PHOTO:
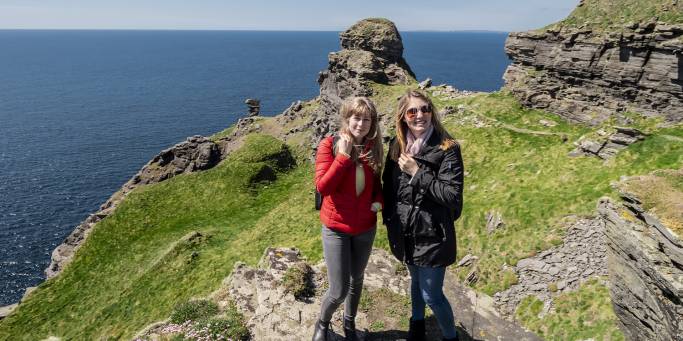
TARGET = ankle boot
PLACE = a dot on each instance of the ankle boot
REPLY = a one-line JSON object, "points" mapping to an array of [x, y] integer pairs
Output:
{"points": [[320, 333], [416, 331], [349, 330]]}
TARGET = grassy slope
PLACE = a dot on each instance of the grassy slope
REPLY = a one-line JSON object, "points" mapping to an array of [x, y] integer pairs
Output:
{"points": [[580, 315], [532, 182], [136, 265], [611, 14]]}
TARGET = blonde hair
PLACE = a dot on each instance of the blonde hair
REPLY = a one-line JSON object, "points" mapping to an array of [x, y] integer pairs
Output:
{"points": [[373, 150], [399, 146]]}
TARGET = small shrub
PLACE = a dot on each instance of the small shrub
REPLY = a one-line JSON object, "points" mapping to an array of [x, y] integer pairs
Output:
{"points": [[400, 269], [231, 326], [552, 287], [193, 310], [297, 281]]}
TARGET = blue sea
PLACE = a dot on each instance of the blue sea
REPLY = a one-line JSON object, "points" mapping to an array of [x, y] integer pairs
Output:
{"points": [[82, 111]]}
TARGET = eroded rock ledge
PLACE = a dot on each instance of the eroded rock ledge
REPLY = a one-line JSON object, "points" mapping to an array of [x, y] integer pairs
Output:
{"points": [[588, 77], [645, 262], [195, 154], [275, 314]]}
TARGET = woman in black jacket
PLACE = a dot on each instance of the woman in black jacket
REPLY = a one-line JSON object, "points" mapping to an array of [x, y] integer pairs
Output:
{"points": [[423, 181]]}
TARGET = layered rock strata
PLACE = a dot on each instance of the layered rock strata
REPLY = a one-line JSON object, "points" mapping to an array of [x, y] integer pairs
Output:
{"points": [[560, 269], [607, 146], [646, 271], [588, 77], [372, 51]]}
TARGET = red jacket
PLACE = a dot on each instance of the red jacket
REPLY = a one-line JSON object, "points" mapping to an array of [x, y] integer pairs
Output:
{"points": [[335, 179]]}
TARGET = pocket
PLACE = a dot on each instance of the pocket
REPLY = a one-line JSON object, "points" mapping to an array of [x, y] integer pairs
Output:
{"points": [[427, 229]]}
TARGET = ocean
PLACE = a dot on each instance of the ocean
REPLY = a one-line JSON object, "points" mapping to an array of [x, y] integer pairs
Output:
{"points": [[82, 111]]}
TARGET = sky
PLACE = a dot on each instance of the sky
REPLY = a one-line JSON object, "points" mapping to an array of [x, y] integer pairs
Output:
{"points": [[320, 15]]}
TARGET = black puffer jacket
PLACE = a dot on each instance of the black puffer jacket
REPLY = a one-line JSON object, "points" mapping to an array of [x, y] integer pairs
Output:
{"points": [[420, 214]]}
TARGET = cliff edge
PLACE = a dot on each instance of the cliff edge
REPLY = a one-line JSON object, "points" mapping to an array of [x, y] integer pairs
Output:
{"points": [[589, 71]]}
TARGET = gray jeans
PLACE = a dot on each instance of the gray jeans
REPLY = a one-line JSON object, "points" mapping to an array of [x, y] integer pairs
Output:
{"points": [[346, 257]]}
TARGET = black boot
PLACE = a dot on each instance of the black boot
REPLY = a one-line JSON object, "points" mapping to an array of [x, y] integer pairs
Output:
{"points": [[416, 332], [320, 333], [453, 339], [349, 330]]}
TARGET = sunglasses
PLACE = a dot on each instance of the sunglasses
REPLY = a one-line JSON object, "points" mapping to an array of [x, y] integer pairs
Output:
{"points": [[412, 112]]}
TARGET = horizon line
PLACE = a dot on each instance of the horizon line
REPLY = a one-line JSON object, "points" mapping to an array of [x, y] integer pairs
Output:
{"points": [[231, 30]]}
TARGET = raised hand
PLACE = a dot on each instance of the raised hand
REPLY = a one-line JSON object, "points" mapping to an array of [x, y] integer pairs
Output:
{"points": [[344, 144], [407, 164]]}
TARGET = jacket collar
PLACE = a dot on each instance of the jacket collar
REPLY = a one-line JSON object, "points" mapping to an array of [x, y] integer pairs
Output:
{"points": [[428, 151]]}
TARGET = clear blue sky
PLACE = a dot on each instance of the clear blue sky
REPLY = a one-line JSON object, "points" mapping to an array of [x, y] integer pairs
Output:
{"points": [[443, 15]]}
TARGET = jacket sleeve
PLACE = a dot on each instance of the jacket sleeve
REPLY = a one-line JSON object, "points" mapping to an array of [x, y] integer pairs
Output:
{"points": [[445, 187], [329, 170], [388, 190], [377, 195]]}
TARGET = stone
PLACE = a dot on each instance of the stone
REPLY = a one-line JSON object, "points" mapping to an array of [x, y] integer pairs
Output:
{"points": [[467, 260], [494, 221], [425, 84], [372, 51], [559, 265], [547, 123], [272, 313], [254, 106], [376, 35], [6, 310], [644, 278]]}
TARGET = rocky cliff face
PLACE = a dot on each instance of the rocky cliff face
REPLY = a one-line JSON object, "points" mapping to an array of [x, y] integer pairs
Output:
{"points": [[195, 154], [645, 261], [588, 77], [372, 51]]}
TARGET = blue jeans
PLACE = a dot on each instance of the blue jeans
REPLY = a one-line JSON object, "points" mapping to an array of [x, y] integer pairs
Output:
{"points": [[426, 286]]}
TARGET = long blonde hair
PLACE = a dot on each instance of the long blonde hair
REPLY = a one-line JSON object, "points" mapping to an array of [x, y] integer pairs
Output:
{"points": [[399, 146], [373, 150]]}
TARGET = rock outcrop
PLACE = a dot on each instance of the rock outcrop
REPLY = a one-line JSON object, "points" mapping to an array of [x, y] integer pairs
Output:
{"points": [[588, 77], [275, 314], [372, 51], [607, 146], [560, 269], [646, 270]]}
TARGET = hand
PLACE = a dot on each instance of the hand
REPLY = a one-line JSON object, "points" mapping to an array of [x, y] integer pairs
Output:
{"points": [[376, 207], [344, 144], [407, 164]]}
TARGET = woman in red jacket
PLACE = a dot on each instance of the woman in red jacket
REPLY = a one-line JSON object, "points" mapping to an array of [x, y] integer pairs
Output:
{"points": [[347, 175]]}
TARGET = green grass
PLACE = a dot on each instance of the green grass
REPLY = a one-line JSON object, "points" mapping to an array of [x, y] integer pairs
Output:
{"points": [[385, 309], [661, 194], [532, 182], [193, 310], [141, 261], [177, 240], [609, 14], [579, 315], [223, 133]]}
